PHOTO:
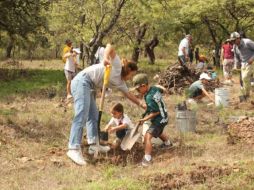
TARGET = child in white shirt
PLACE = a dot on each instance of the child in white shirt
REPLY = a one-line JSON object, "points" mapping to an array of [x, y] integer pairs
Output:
{"points": [[119, 124]]}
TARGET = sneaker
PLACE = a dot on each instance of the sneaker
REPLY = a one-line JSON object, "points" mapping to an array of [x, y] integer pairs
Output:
{"points": [[94, 148], [145, 162], [166, 145], [76, 156]]}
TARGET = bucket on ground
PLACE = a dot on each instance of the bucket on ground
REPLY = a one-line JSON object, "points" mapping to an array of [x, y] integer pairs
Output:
{"points": [[221, 97], [186, 121]]}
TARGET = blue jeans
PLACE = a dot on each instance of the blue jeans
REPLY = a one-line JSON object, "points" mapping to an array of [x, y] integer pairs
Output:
{"points": [[86, 112]]}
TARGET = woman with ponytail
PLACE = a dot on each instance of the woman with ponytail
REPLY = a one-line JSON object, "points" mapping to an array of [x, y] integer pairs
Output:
{"points": [[83, 87]]}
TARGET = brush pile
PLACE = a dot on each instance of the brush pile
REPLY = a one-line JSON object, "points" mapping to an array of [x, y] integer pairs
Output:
{"points": [[177, 78], [241, 131]]}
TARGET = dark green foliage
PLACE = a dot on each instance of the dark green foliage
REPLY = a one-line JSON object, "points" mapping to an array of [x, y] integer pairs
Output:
{"points": [[22, 17]]}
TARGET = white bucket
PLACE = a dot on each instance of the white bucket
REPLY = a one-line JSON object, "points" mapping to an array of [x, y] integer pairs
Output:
{"points": [[186, 121], [221, 97]]}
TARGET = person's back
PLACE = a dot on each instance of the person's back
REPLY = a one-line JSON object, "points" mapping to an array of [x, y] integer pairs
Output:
{"points": [[227, 51], [194, 87], [183, 50], [154, 101], [183, 44]]}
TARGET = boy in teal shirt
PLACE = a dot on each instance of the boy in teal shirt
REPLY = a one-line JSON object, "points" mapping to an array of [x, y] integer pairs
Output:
{"points": [[155, 111]]}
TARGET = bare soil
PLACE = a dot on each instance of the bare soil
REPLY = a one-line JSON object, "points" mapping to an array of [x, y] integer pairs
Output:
{"points": [[34, 132]]}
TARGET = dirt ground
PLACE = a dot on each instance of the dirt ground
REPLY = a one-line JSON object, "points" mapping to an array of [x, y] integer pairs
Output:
{"points": [[34, 132]]}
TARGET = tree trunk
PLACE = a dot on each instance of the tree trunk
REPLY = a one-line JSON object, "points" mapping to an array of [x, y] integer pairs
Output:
{"points": [[9, 49], [216, 55], [92, 47], [149, 49], [57, 50], [140, 33], [81, 45]]}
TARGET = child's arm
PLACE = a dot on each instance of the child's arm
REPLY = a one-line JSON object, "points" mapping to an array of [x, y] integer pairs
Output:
{"points": [[68, 54], [109, 125], [119, 127], [148, 117]]}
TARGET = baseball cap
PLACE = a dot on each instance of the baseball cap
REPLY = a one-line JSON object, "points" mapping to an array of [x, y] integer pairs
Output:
{"points": [[140, 79], [204, 76], [77, 50], [234, 35]]}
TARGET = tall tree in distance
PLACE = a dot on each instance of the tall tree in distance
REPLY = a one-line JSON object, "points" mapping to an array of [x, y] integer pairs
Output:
{"points": [[20, 18]]}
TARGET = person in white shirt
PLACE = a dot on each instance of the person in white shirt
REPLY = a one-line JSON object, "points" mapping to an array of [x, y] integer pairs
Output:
{"points": [[99, 55], [119, 124], [183, 49], [70, 68]]}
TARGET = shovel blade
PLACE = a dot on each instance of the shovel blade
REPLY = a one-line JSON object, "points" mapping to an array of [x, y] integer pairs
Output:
{"points": [[128, 141]]}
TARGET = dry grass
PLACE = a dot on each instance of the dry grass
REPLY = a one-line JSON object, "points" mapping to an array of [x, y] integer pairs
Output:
{"points": [[34, 132]]}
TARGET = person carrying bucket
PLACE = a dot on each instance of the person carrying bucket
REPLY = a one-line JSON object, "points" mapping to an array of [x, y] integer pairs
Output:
{"points": [[86, 113], [197, 90]]}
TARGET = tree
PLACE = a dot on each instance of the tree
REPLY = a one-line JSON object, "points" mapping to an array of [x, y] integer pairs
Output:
{"points": [[217, 20], [149, 49], [20, 18], [139, 35]]}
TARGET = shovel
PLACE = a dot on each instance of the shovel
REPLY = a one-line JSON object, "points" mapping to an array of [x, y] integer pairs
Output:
{"points": [[131, 138], [105, 84]]}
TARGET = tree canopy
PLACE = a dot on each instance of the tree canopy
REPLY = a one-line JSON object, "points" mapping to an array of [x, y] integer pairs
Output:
{"points": [[47, 23]]}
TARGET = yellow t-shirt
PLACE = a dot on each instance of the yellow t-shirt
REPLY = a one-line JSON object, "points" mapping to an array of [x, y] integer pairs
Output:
{"points": [[65, 50]]}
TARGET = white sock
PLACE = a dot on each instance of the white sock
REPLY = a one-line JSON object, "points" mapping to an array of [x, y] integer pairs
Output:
{"points": [[148, 157], [167, 142]]}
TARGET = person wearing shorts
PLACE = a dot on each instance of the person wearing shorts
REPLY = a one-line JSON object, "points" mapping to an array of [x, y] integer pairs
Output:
{"points": [[119, 124], [70, 68], [156, 112], [227, 56]]}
